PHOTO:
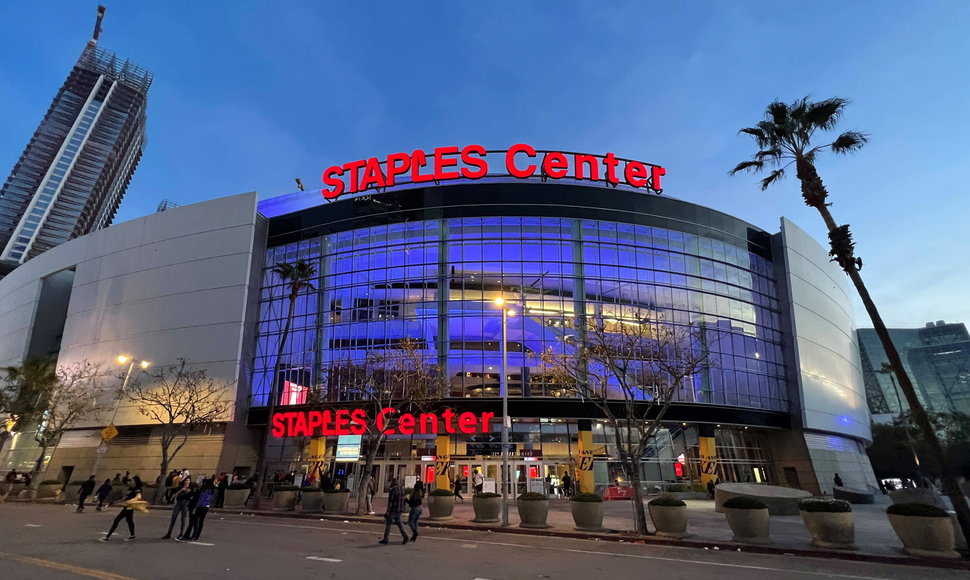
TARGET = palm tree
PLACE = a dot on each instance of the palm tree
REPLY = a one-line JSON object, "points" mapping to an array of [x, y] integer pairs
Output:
{"points": [[784, 138], [296, 278]]}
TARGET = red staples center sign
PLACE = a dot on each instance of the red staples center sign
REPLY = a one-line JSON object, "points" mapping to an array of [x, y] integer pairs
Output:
{"points": [[472, 162], [388, 420]]}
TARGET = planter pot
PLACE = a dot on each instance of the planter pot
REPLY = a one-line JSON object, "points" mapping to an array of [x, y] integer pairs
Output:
{"points": [[284, 500], [932, 537], [918, 495], [311, 502], [47, 491], [587, 515], [533, 513], [486, 509], [749, 526], [831, 530], [670, 521], [28, 493], [440, 507], [335, 502], [235, 498], [73, 493]]}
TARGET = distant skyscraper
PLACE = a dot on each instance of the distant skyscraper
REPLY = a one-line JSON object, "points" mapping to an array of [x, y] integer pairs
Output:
{"points": [[74, 172]]}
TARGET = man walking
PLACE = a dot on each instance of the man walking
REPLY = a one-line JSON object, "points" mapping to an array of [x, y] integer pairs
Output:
{"points": [[395, 505], [479, 481], [87, 488], [221, 490], [8, 483]]}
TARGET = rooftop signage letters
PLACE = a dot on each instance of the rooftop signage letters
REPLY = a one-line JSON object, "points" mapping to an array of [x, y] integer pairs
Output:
{"points": [[388, 420], [472, 162]]}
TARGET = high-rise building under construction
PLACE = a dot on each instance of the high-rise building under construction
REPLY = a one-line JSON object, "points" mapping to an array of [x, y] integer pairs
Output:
{"points": [[72, 176]]}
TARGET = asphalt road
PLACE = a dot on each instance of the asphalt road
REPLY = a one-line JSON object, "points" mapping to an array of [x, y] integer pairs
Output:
{"points": [[45, 541]]}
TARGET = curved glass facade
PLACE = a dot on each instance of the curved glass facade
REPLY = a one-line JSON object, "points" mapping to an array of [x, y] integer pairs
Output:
{"points": [[435, 281]]}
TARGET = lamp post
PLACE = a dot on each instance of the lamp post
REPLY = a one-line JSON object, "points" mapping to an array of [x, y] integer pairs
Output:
{"points": [[103, 446], [506, 420]]}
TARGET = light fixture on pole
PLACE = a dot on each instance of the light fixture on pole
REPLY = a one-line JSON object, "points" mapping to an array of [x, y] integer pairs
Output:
{"points": [[506, 420], [110, 432]]}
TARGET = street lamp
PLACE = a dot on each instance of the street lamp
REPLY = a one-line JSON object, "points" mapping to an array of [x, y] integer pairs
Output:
{"points": [[103, 446], [506, 420]]}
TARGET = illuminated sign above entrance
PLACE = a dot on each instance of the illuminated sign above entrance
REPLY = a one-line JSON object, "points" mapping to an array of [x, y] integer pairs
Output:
{"points": [[388, 420], [472, 162]]}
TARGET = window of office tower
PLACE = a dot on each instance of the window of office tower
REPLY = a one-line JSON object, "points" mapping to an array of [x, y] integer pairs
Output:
{"points": [[435, 282]]}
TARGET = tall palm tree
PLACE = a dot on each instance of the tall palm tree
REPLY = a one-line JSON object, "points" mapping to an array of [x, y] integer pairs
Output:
{"points": [[785, 138], [296, 278]]}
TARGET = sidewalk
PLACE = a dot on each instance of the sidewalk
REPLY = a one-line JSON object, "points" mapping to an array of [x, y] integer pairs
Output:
{"points": [[708, 529]]}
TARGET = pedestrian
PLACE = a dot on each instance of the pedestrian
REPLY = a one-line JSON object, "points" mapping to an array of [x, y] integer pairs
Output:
{"points": [[415, 501], [567, 485], [198, 510], [479, 481], [838, 481], [126, 479], [103, 493], [457, 484], [87, 488], [395, 505], [181, 508], [222, 487], [128, 511], [8, 483], [370, 493], [710, 488]]}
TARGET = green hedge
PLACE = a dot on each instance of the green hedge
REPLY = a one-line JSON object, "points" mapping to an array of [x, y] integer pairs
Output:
{"points": [[587, 498], [832, 506], [239, 486], [441, 492], [51, 482], [667, 501], [78, 483], [678, 488], [487, 495], [533, 496], [342, 490], [286, 488], [314, 490], [745, 503], [922, 510]]}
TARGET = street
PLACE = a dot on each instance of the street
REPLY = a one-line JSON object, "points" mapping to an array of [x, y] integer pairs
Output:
{"points": [[52, 541]]}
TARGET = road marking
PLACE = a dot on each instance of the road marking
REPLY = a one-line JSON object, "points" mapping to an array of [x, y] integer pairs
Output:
{"points": [[320, 559], [469, 546], [105, 575], [201, 543], [32, 525]]}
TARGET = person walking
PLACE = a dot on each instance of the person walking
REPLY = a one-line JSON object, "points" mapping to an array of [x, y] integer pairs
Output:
{"points": [[103, 493], [181, 508], [8, 483], [127, 512], [395, 505], [457, 485], [479, 481], [87, 488], [838, 481], [221, 490], [567, 485], [370, 493], [198, 510], [415, 501]]}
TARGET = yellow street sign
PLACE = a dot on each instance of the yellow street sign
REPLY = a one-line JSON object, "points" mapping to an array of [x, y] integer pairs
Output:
{"points": [[109, 432]]}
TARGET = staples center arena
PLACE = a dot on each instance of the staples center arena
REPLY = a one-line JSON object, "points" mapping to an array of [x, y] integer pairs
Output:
{"points": [[418, 247]]}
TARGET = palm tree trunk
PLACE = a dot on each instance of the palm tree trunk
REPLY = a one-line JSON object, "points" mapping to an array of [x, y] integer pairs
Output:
{"points": [[951, 487], [263, 448]]}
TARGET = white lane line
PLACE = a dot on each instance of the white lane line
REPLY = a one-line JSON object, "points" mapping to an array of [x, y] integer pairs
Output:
{"points": [[32, 525], [787, 571], [319, 559], [471, 546], [200, 543]]}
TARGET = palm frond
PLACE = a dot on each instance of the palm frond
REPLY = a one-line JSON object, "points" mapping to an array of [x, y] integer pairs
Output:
{"points": [[772, 177], [849, 141], [752, 166], [777, 113], [771, 155], [759, 134], [825, 114]]}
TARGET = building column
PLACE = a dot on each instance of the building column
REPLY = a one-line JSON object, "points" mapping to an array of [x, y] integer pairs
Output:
{"points": [[584, 469], [442, 461]]}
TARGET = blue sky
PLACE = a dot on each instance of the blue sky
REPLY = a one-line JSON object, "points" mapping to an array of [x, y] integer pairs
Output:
{"points": [[249, 95]]}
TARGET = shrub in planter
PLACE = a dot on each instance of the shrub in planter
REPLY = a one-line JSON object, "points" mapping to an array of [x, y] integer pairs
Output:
{"points": [[749, 520], [441, 504], [487, 507], [533, 509], [678, 488], [829, 521], [236, 495], [284, 497], [669, 516], [311, 499], [925, 530], [587, 511], [335, 500]]}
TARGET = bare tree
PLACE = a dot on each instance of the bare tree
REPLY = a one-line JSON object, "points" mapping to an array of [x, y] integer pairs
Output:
{"points": [[631, 368], [180, 400], [39, 393]]}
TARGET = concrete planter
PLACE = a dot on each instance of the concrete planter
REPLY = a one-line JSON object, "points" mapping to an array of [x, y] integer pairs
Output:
{"points": [[670, 521], [28, 493], [831, 530], [588, 515], [440, 507], [750, 526], [922, 536], [284, 500], [311, 501], [235, 498], [486, 509], [335, 502], [918, 495], [533, 513], [73, 493], [682, 495], [48, 490]]}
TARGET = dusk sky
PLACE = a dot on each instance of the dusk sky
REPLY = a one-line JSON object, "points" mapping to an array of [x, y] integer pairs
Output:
{"points": [[249, 95]]}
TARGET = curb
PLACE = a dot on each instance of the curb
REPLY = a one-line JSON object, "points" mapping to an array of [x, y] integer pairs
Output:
{"points": [[630, 537]]}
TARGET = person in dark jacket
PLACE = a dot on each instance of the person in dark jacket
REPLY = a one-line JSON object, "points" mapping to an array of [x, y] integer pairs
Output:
{"points": [[103, 493], [87, 488], [181, 508], [415, 501], [127, 512], [221, 490], [198, 510], [395, 505]]}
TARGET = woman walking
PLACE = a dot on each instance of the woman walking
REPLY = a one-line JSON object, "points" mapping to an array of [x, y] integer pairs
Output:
{"points": [[181, 507], [458, 482], [198, 510], [103, 493], [127, 512], [415, 501]]}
